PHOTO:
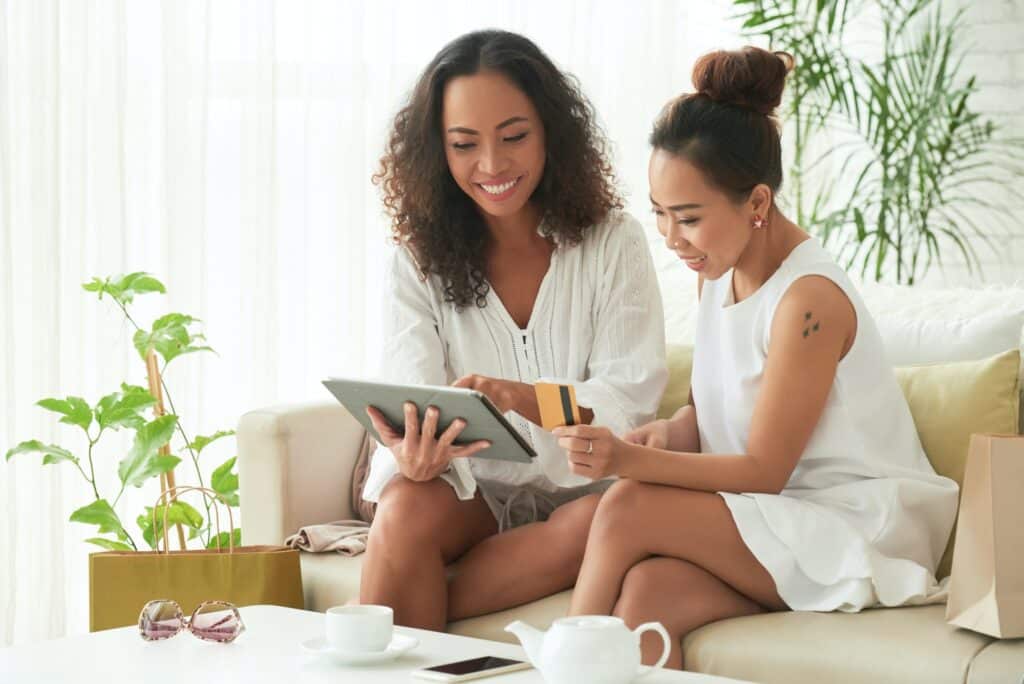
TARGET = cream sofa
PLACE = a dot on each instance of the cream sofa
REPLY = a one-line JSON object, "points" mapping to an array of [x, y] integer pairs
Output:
{"points": [[296, 461]]}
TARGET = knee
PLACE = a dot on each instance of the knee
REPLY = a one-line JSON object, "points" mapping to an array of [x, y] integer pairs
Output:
{"points": [[619, 508], [651, 584], [410, 511]]}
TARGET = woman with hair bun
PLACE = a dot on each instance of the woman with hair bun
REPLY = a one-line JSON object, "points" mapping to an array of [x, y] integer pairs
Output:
{"points": [[794, 478], [514, 265]]}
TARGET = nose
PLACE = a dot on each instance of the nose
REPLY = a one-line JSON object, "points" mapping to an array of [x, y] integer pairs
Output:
{"points": [[674, 236], [491, 160]]}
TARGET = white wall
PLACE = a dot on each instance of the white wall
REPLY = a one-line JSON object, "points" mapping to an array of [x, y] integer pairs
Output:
{"points": [[995, 54]]}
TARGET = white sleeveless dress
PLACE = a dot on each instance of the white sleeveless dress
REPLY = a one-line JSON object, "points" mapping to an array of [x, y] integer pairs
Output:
{"points": [[864, 519]]}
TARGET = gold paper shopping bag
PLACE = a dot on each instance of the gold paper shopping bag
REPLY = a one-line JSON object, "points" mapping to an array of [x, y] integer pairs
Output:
{"points": [[986, 592], [121, 582]]}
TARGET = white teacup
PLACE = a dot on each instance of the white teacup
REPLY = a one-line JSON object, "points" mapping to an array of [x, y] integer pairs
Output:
{"points": [[359, 629]]}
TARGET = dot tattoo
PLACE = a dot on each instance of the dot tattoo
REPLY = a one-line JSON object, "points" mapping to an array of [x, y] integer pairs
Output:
{"points": [[810, 328]]}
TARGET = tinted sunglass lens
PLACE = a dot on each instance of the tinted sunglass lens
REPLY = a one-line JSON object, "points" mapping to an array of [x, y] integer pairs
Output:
{"points": [[159, 620], [216, 621]]}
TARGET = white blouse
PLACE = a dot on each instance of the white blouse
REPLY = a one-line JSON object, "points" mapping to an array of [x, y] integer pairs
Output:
{"points": [[597, 324]]}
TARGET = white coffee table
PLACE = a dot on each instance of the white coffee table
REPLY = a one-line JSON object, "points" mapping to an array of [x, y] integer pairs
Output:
{"points": [[268, 651]]}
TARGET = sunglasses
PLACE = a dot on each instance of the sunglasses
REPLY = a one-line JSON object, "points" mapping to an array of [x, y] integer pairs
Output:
{"points": [[217, 621]]}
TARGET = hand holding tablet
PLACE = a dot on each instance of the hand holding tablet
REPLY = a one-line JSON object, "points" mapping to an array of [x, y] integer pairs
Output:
{"points": [[483, 422]]}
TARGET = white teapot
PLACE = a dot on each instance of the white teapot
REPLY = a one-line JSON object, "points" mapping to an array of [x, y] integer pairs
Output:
{"points": [[592, 649]]}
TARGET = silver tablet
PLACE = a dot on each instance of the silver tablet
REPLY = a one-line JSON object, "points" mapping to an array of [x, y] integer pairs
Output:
{"points": [[483, 420]]}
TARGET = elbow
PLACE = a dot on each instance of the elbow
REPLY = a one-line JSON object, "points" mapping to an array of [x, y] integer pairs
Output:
{"points": [[766, 479]]}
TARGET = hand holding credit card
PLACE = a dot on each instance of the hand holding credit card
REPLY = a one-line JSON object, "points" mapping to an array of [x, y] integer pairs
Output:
{"points": [[557, 404]]}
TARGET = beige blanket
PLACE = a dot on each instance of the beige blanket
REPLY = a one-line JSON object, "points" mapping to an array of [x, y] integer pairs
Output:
{"points": [[347, 537]]}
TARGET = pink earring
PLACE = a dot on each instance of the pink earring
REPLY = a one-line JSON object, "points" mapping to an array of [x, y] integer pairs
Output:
{"points": [[759, 222]]}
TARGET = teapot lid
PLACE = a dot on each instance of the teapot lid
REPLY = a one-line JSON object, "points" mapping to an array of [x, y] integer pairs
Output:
{"points": [[590, 622]]}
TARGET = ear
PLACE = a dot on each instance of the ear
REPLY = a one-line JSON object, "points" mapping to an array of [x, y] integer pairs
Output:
{"points": [[761, 200]]}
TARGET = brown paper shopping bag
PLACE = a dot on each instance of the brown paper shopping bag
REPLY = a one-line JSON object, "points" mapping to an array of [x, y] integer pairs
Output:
{"points": [[986, 592], [121, 582]]}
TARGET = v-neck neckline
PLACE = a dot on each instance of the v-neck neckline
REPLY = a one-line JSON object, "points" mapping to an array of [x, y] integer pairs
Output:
{"points": [[539, 302]]}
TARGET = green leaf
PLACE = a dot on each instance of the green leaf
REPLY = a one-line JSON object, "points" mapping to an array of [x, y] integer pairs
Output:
{"points": [[142, 462], [202, 441], [145, 523], [123, 289], [222, 539], [225, 482], [100, 513], [109, 544], [124, 408], [170, 337], [179, 512], [74, 409], [51, 452]]}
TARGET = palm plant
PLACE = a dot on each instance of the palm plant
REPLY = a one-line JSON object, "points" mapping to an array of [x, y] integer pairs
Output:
{"points": [[922, 165]]}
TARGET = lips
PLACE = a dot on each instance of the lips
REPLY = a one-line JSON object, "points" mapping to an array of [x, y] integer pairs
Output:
{"points": [[500, 189], [695, 263]]}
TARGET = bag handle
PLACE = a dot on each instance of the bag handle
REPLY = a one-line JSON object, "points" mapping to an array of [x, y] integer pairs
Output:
{"points": [[206, 492]]}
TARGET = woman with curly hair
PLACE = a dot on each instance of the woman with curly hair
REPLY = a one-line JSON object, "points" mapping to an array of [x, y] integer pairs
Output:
{"points": [[794, 478], [514, 265]]}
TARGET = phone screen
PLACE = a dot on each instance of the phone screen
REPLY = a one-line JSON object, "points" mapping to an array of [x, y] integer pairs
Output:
{"points": [[474, 665]]}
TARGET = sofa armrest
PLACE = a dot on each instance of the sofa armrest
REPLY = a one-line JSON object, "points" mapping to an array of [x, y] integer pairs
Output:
{"points": [[295, 466]]}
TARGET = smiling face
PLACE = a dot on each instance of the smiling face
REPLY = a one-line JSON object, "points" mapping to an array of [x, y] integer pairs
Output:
{"points": [[703, 225], [494, 142]]}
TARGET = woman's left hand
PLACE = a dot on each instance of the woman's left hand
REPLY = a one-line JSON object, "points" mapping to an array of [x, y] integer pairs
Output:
{"points": [[506, 395], [593, 452]]}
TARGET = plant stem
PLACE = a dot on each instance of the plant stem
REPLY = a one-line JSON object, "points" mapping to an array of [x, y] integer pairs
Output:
{"points": [[92, 470], [191, 451], [181, 430]]}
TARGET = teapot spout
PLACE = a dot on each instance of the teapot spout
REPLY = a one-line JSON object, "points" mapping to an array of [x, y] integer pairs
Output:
{"points": [[531, 638]]}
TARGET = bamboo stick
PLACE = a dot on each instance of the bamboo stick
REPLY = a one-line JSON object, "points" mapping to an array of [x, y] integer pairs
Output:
{"points": [[166, 479]]}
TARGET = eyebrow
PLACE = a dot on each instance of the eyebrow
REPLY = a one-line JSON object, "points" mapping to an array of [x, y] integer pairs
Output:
{"points": [[677, 207], [504, 124]]}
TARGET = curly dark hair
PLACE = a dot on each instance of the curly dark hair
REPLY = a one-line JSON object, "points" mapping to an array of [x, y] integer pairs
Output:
{"points": [[433, 216]]}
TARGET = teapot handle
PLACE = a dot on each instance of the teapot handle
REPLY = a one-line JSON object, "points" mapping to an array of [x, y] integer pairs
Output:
{"points": [[654, 627]]}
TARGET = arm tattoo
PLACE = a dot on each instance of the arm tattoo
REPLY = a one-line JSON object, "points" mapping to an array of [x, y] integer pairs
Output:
{"points": [[815, 327]]}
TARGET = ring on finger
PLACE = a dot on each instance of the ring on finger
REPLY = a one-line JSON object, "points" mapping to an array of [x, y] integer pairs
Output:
{"points": [[590, 446]]}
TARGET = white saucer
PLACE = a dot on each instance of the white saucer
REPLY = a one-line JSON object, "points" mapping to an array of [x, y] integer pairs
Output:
{"points": [[399, 644]]}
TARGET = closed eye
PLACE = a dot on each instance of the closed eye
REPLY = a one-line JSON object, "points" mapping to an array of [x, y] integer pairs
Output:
{"points": [[515, 138], [463, 146]]}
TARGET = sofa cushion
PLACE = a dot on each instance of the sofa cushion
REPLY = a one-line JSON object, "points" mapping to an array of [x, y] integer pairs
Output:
{"points": [[329, 579], [881, 646], [949, 401], [540, 614], [997, 661]]}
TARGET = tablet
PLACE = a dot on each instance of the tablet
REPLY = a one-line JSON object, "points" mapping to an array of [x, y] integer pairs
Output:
{"points": [[483, 420]]}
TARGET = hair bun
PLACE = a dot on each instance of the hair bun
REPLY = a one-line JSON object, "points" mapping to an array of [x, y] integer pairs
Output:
{"points": [[751, 77]]}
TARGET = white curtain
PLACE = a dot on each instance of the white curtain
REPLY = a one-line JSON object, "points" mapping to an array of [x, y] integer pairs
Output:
{"points": [[226, 147]]}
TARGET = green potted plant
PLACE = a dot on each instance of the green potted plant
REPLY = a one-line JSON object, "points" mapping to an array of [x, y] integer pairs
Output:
{"points": [[917, 166], [152, 454]]}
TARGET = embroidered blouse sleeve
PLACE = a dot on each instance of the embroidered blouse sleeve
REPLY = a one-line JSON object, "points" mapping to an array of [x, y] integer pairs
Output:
{"points": [[413, 349], [626, 372]]}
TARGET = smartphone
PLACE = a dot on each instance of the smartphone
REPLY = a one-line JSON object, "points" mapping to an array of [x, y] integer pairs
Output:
{"points": [[474, 668]]}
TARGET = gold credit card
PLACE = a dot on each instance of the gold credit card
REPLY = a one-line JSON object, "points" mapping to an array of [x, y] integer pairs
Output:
{"points": [[557, 405]]}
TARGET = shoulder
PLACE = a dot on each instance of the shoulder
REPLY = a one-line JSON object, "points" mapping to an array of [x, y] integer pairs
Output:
{"points": [[618, 235], [617, 227], [403, 271], [814, 306]]}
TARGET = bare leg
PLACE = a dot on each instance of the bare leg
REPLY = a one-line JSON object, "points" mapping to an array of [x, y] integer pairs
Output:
{"points": [[419, 528], [635, 521], [523, 564], [697, 598]]}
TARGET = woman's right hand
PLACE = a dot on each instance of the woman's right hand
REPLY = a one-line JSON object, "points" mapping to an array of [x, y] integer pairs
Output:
{"points": [[420, 455], [654, 435]]}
